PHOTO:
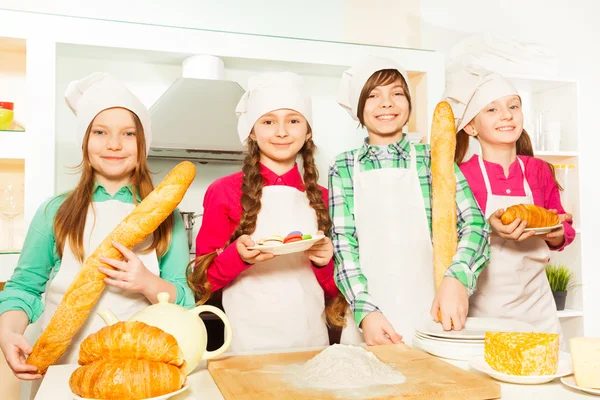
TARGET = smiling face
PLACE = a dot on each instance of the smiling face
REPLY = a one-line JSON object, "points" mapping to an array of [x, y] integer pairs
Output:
{"points": [[386, 105], [112, 145], [280, 135], [498, 123]]}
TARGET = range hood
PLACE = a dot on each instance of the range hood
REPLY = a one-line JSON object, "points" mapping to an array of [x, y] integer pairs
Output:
{"points": [[195, 118]]}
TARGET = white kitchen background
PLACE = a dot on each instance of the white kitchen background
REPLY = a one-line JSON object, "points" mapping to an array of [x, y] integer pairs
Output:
{"points": [[430, 24], [571, 30]]}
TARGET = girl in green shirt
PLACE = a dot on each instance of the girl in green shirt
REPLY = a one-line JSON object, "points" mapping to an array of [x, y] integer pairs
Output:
{"points": [[113, 128]]}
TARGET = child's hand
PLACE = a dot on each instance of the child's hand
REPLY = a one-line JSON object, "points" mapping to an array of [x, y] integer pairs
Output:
{"points": [[130, 274], [378, 330], [250, 256], [452, 300], [321, 252], [557, 238], [512, 231], [16, 349]]}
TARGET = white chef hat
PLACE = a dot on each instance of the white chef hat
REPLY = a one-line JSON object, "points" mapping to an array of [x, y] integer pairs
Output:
{"points": [[268, 92], [470, 89], [354, 79], [97, 92]]}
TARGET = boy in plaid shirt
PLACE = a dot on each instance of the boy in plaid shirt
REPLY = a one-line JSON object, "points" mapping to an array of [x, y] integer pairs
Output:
{"points": [[380, 205]]}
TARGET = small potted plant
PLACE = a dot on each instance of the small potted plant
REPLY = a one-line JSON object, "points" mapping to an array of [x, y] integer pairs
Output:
{"points": [[559, 277]]}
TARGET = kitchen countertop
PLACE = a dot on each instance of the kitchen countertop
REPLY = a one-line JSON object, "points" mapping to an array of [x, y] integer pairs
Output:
{"points": [[56, 386]]}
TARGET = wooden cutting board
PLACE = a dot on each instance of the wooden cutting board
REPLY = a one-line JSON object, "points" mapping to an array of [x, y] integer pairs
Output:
{"points": [[252, 377]]}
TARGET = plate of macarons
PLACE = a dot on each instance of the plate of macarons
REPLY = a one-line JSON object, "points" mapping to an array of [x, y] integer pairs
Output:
{"points": [[294, 242]]}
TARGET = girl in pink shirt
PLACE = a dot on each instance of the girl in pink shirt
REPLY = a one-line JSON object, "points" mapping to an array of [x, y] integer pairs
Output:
{"points": [[273, 302], [487, 107]]}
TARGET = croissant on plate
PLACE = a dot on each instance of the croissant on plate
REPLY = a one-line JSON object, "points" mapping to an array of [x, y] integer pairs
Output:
{"points": [[131, 339], [536, 217], [126, 379]]}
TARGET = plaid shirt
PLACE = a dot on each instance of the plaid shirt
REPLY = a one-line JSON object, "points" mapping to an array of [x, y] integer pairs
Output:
{"points": [[473, 231]]}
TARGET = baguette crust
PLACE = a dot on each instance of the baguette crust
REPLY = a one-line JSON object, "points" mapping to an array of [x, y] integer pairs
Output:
{"points": [[443, 190], [87, 286]]}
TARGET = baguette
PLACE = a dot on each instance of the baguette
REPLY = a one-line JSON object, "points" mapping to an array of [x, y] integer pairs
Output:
{"points": [[536, 217], [443, 190], [87, 286]]}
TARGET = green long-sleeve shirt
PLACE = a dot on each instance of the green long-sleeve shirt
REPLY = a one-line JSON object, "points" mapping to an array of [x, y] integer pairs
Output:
{"points": [[39, 260]]}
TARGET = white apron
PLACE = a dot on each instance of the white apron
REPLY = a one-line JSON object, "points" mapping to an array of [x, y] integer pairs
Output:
{"points": [[278, 304], [396, 255], [122, 303], [514, 283]]}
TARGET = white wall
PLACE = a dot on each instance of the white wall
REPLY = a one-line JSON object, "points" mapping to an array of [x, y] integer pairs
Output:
{"points": [[311, 19]]}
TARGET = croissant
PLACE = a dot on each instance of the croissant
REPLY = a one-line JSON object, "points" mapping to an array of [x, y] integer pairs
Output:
{"points": [[126, 379], [132, 339], [536, 217], [88, 285]]}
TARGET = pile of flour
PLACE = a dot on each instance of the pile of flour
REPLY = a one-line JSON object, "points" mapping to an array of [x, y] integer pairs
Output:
{"points": [[346, 368]]}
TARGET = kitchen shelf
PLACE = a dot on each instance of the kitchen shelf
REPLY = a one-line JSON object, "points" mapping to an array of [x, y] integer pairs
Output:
{"points": [[5, 252], [568, 313], [545, 153], [14, 127]]}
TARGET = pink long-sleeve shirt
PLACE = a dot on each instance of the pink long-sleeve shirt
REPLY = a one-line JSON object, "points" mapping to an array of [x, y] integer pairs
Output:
{"points": [[222, 213], [544, 189]]}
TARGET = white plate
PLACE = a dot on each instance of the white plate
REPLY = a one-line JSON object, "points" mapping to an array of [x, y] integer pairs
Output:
{"points": [[163, 397], [570, 382], [452, 351], [543, 231], [475, 328], [288, 248], [445, 340], [565, 367]]}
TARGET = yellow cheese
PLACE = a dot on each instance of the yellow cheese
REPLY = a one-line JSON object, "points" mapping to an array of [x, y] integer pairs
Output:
{"points": [[585, 353], [522, 353]]}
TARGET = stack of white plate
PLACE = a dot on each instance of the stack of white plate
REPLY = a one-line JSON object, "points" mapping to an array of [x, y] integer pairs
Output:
{"points": [[464, 344]]}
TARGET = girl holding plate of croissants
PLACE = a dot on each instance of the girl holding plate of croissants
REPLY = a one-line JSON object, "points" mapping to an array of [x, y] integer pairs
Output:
{"points": [[487, 107], [113, 129]]}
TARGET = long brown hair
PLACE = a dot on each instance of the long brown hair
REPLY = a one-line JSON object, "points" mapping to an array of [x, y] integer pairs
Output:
{"points": [[383, 77], [524, 148], [70, 219], [252, 185]]}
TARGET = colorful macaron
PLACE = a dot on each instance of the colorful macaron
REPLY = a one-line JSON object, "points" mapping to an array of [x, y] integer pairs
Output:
{"points": [[294, 236]]}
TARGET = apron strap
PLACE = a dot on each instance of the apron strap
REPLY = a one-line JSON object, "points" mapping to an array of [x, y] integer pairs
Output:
{"points": [[488, 187], [413, 158], [355, 172], [528, 191]]}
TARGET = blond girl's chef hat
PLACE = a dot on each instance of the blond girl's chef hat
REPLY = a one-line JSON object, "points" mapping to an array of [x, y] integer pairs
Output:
{"points": [[354, 79], [468, 90], [97, 92], [269, 92]]}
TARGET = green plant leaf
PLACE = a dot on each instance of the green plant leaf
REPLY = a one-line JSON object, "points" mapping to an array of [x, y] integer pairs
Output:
{"points": [[559, 277]]}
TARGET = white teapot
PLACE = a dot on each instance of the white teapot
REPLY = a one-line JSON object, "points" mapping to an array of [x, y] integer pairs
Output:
{"points": [[185, 326]]}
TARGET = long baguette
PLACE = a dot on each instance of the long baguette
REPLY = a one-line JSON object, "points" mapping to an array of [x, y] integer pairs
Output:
{"points": [[88, 285], [443, 190]]}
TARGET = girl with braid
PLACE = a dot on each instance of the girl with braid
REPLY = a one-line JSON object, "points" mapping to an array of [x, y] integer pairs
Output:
{"points": [[273, 302]]}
